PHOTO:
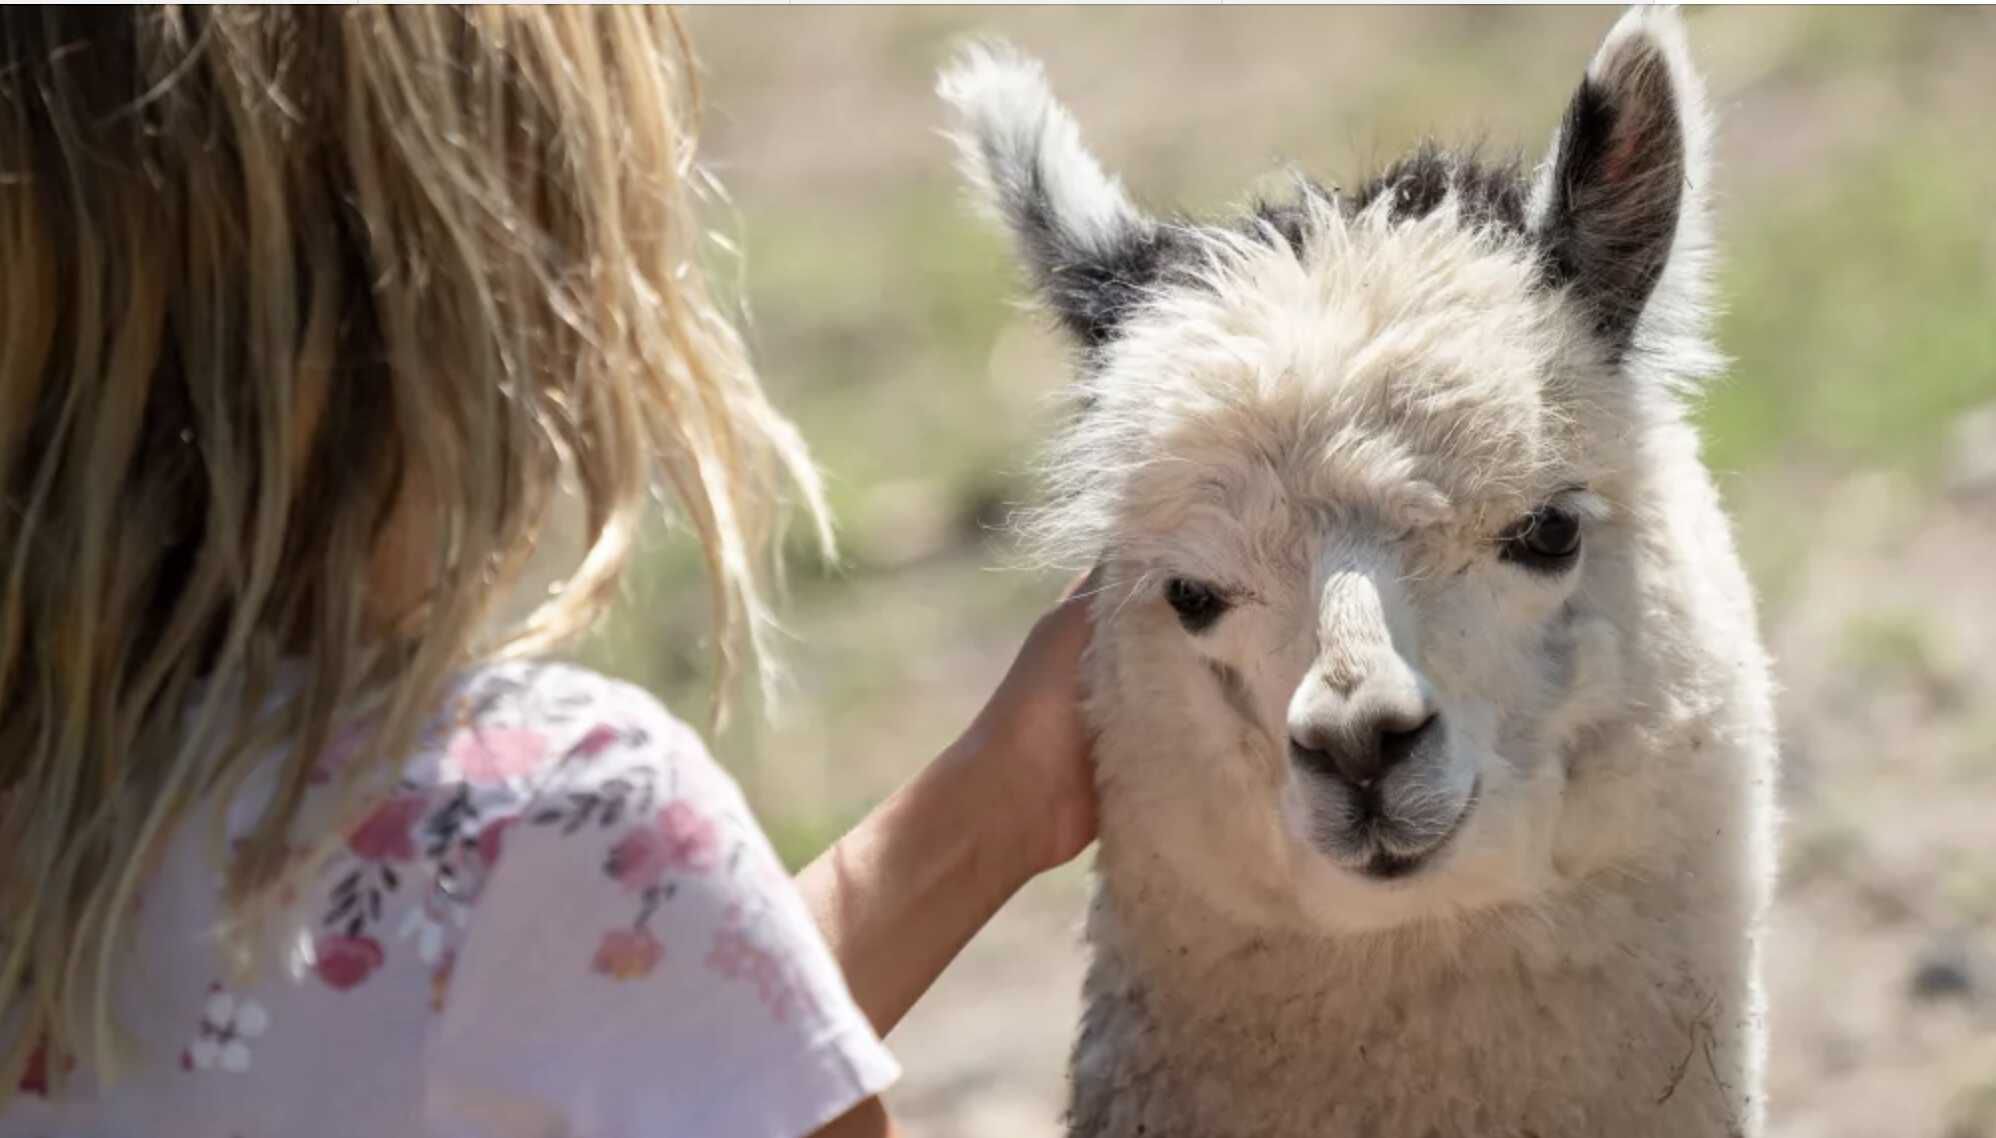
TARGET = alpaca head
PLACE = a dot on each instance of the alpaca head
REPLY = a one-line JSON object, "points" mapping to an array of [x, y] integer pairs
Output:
{"points": [[1364, 474]]}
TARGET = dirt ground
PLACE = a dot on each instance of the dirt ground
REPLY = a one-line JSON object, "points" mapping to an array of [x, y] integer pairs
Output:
{"points": [[1880, 970]]}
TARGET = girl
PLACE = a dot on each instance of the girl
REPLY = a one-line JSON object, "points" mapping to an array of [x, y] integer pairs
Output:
{"points": [[310, 321]]}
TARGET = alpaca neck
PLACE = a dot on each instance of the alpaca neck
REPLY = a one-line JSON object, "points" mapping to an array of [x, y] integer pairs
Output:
{"points": [[1599, 1010]]}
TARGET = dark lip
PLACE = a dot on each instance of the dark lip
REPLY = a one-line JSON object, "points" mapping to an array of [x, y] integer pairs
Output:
{"points": [[1383, 866]]}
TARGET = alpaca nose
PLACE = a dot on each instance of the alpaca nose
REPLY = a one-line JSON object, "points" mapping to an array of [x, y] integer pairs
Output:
{"points": [[1363, 738]]}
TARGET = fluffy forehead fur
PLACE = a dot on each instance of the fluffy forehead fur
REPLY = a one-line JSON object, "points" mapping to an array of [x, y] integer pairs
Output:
{"points": [[1440, 350], [1403, 369]]}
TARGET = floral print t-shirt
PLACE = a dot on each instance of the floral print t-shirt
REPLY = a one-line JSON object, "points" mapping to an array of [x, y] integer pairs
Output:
{"points": [[562, 922]]}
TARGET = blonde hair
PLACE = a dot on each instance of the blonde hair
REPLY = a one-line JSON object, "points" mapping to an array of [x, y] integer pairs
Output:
{"points": [[280, 288]]}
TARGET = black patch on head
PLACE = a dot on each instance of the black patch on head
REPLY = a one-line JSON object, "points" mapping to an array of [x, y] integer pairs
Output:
{"points": [[1617, 188], [1287, 220], [1489, 194]]}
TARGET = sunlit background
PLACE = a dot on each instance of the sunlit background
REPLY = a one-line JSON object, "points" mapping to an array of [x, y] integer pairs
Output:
{"points": [[1855, 438]]}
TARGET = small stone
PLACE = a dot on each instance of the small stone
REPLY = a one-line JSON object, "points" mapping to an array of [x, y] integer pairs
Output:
{"points": [[1971, 454], [1942, 975]]}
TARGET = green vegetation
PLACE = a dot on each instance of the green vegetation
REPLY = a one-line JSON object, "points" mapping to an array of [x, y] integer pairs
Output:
{"points": [[1859, 310]]}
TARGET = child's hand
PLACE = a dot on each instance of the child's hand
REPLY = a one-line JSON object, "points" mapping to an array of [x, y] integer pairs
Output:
{"points": [[1013, 797], [1034, 743]]}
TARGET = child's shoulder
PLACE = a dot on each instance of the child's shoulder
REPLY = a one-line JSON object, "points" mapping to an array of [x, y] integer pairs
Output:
{"points": [[584, 825], [518, 735], [558, 695]]}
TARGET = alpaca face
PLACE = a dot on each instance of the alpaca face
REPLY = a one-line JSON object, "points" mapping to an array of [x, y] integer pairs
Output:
{"points": [[1345, 696], [1351, 619], [1360, 473]]}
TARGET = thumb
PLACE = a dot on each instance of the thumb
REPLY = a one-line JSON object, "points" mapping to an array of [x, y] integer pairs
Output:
{"points": [[1081, 587]]}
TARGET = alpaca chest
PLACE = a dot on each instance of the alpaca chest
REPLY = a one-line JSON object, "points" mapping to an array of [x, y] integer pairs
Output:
{"points": [[1590, 1053]]}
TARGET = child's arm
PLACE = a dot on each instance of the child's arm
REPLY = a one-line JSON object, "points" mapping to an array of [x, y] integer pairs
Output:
{"points": [[902, 893]]}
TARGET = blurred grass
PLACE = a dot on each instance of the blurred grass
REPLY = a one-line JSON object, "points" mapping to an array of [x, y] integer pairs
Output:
{"points": [[1860, 311], [1859, 276]]}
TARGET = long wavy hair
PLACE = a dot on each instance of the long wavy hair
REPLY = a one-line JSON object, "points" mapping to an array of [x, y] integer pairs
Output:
{"points": [[292, 302]]}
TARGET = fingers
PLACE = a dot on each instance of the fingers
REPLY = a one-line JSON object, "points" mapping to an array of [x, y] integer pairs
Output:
{"points": [[1062, 632], [1067, 627], [1074, 606], [1081, 586]]}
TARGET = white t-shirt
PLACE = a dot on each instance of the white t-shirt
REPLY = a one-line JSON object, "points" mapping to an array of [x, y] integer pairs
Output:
{"points": [[563, 923]]}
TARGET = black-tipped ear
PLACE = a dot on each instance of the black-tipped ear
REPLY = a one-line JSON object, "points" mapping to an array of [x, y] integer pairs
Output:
{"points": [[1624, 173], [1094, 288], [1092, 255]]}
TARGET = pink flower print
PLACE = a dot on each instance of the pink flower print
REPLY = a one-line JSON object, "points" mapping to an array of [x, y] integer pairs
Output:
{"points": [[691, 838], [638, 861], [627, 954], [731, 951], [388, 834], [492, 839], [599, 739], [735, 955], [227, 1025], [679, 838], [35, 1077], [487, 755], [344, 961]]}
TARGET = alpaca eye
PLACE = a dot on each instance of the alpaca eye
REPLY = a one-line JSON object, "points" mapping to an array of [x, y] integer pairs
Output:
{"points": [[1197, 604], [1547, 540]]}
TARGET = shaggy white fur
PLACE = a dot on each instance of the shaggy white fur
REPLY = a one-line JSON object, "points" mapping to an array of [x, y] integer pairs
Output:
{"points": [[1020, 144], [1324, 462]]}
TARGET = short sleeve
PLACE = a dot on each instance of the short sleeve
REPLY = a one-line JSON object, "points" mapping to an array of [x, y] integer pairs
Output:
{"points": [[637, 964]]}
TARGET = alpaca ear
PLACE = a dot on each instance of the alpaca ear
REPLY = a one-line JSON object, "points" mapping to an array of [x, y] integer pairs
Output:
{"points": [[1092, 255], [1622, 198]]}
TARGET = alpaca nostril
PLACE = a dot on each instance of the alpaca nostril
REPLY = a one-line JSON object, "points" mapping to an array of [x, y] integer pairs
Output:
{"points": [[1361, 755], [1311, 751], [1396, 744]]}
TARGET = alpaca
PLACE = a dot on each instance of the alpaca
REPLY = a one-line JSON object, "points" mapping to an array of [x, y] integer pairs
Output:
{"points": [[1435, 739]]}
